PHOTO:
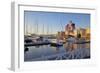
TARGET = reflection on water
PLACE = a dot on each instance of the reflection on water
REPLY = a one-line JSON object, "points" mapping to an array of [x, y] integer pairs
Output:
{"points": [[67, 51]]}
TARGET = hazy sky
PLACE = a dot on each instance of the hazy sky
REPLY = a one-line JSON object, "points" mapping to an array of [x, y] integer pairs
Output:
{"points": [[51, 22]]}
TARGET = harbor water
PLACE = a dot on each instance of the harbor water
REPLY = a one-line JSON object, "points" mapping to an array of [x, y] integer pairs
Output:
{"points": [[65, 52]]}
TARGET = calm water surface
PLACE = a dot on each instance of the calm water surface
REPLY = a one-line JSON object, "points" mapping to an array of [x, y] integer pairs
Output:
{"points": [[67, 51]]}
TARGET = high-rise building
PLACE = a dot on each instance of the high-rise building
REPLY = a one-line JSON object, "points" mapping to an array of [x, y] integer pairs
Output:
{"points": [[70, 29]]}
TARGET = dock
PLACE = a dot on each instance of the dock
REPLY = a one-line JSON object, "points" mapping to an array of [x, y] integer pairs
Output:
{"points": [[43, 43]]}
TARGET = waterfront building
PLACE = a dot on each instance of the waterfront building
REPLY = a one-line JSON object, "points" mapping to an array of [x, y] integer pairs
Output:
{"points": [[84, 32], [70, 29], [88, 33]]}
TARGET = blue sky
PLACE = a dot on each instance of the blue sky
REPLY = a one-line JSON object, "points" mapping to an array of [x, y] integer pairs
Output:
{"points": [[51, 22]]}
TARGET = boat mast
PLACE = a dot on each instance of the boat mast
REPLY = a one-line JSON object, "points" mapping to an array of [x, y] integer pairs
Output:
{"points": [[43, 29], [51, 29], [47, 29], [27, 27], [31, 29], [61, 24], [36, 26]]}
